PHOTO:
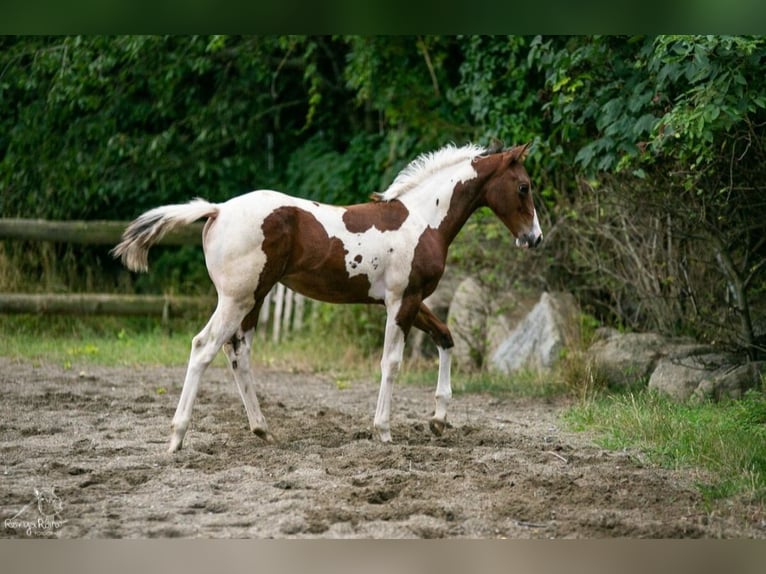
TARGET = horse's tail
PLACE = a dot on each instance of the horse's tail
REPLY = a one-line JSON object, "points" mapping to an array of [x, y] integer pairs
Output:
{"points": [[149, 228]]}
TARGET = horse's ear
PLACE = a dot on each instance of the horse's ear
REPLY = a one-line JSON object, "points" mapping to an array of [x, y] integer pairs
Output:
{"points": [[519, 153]]}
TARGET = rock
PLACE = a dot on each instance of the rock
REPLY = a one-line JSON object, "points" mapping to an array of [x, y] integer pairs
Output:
{"points": [[625, 358], [480, 321], [730, 382], [679, 373], [467, 320], [507, 312], [677, 367], [701, 374], [538, 341]]}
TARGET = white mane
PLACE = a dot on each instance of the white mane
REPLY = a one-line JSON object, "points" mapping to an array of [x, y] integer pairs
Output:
{"points": [[427, 164]]}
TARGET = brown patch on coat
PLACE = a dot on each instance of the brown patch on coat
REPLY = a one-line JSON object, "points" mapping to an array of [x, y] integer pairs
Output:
{"points": [[301, 254], [427, 268], [383, 215], [426, 321]]}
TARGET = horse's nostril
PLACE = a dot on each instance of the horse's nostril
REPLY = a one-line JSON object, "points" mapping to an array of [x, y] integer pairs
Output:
{"points": [[538, 241]]}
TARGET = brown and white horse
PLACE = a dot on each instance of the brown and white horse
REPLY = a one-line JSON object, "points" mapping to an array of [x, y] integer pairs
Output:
{"points": [[390, 251]]}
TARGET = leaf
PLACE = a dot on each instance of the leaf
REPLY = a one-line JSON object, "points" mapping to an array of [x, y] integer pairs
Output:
{"points": [[711, 113], [645, 124]]}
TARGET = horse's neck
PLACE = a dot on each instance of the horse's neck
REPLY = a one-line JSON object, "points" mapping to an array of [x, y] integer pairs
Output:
{"points": [[446, 201]]}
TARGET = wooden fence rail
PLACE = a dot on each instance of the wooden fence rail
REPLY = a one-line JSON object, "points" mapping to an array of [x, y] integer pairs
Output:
{"points": [[283, 308], [88, 232], [103, 304]]}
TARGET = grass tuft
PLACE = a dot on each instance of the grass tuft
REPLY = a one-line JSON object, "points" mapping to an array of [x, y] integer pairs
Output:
{"points": [[727, 439], [112, 341]]}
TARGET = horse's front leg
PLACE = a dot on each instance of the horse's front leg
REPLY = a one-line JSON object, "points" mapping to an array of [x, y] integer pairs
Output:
{"points": [[441, 335], [443, 393], [393, 350]]}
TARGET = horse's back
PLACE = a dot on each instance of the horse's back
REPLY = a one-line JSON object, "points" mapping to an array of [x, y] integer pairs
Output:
{"points": [[259, 201]]}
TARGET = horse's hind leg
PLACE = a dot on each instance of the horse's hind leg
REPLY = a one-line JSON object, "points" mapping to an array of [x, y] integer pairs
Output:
{"points": [[205, 345], [237, 350], [439, 332]]}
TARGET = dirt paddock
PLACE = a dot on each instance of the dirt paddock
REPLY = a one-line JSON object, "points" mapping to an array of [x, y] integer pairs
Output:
{"points": [[83, 455]]}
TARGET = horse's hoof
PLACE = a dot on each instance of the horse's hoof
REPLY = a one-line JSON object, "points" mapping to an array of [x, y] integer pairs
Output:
{"points": [[264, 435], [176, 442], [437, 426], [384, 435]]}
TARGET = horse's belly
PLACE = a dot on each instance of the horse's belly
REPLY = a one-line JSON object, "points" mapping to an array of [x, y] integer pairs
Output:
{"points": [[332, 287]]}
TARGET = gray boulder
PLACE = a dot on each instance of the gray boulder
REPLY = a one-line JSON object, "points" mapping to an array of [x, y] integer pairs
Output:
{"points": [[624, 358], [539, 339], [730, 383], [680, 372], [701, 374]]}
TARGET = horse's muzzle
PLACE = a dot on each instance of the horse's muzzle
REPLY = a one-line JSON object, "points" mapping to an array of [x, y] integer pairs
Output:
{"points": [[530, 240]]}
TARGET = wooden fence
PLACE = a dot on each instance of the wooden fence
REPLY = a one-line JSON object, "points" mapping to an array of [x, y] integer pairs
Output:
{"points": [[282, 312]]}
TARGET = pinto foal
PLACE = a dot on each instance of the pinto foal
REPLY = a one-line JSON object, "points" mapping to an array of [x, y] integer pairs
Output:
{"points": [[390, 251]]}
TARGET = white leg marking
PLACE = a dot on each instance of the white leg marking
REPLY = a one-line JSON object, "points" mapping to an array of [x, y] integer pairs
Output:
{"points": [[222, 325], [443, 392], [239, 363], [393, 349]]}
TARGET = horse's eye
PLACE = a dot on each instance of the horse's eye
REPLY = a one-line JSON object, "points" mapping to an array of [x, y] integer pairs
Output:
{"points": [[523, 188]]}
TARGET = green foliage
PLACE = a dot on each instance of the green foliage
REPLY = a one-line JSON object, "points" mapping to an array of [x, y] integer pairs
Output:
{"points": [[615, 97], [495, 81], [354, 175], [105, 126], [76, 343], [710, 85], [665, 129], [108, 126], [361, 326], [499, 93], [400, 83], [599, 98]]}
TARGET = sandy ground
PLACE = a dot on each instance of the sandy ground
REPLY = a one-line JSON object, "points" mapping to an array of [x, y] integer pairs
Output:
{"points": [[82, 454]]}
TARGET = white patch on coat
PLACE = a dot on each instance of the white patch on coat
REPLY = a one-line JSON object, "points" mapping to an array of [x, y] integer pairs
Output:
{"points": [[537, 231], [425, 165]]}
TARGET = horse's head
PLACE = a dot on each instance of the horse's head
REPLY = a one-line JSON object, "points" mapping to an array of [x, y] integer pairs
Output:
{"points": [[508, 193]]}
